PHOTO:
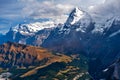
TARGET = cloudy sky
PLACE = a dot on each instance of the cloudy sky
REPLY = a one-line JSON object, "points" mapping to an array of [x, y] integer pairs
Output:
{"points": [[13, 12]]}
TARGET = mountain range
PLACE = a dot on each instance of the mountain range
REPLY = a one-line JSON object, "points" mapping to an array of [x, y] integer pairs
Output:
{"points": [[82, 33]]}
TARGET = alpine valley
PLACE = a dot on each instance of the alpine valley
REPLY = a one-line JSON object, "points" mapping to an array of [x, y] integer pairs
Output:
{"points": [[83, 48]]}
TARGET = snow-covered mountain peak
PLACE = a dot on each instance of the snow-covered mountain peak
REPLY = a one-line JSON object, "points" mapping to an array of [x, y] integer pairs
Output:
{"points": [[78, 19], [77, 12], [75, 16], [27, 29]]}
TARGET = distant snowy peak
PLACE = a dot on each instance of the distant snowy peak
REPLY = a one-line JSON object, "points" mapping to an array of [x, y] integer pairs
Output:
{"points": [[28, 29], [78, 20], [76, 15]]}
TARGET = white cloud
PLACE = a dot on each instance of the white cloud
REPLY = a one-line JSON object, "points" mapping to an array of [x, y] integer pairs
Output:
{"points": [[16, 11], [53, 8], [91, 8], [105, 11], [41, 8], [45, 9], [108, 8]]}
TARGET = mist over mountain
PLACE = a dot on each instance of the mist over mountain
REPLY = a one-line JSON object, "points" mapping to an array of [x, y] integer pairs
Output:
{"points": [[106, 10]]}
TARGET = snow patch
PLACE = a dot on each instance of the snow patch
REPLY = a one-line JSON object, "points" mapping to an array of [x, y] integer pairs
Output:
{"points": [[115, 33], [77, 15], [105, 70], [31, 28]]}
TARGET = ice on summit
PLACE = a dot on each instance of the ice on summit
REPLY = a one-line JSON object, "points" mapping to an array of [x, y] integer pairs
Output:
{"points": [[77, 15], [78, 19], [33, 27]]}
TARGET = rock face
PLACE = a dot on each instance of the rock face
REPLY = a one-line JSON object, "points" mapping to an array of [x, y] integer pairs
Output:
{"points": [[112, 72], [69, 36], [105, 49], [80, 33], [39, 37]]}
